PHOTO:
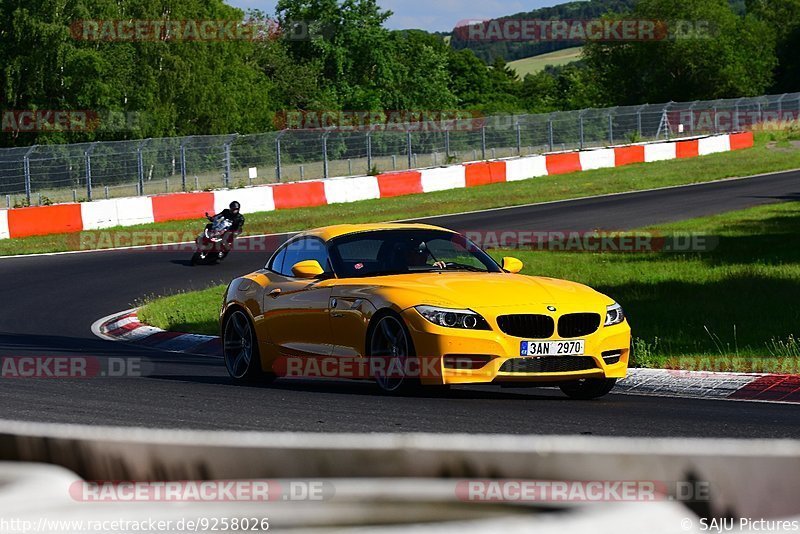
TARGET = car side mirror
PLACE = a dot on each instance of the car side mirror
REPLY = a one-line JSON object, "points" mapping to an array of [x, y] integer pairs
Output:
{"points": [[512, 265], [307, 269]]}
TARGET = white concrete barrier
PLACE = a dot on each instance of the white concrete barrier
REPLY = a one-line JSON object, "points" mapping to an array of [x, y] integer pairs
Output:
{"points": [[712, 145], [4, 224], [443, 178], [659, 152], [526, 167], [597, 159], [351, 189], [134, 210], [99, 214], [252, 199]]}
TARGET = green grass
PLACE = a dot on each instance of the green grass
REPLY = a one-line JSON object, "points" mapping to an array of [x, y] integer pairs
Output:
{"points": [[195, 312], [534, 64], [759, 159], [731, 308]]}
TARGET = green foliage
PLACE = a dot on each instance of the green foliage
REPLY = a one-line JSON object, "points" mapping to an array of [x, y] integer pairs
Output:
{"points": [[783, 18], [733, 57], [351, 61]]}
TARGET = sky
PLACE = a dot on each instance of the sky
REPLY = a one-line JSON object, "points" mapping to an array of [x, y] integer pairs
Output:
{"points": [[431, 15]]}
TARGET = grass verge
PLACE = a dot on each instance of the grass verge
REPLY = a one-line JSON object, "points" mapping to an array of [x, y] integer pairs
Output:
{"points": [[772, 152], [731, 308]]}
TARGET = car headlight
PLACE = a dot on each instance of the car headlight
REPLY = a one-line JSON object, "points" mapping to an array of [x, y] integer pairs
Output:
{"points": [[449, 318], [614, 314]]}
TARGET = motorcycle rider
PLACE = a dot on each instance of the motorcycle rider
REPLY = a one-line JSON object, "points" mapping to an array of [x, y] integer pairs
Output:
{"points": [[231, 213]]}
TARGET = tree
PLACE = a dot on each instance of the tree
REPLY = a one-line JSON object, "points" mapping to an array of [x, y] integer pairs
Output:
{"points": [[735, 57], [783, 16]]}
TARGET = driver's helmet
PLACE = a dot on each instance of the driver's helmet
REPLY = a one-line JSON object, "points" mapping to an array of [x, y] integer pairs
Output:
{"points": [[235, 207]]}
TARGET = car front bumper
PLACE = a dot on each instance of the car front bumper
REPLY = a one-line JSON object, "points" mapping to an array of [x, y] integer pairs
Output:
{"points": [[436, 345]]}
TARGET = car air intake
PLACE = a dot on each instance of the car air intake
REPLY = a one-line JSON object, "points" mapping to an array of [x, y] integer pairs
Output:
{"points": [[528, 326], [548, 364], [612, 356], [578, 324]]}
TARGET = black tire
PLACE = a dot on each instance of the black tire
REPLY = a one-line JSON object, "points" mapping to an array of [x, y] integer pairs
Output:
{"points": [[379, 342], [195, 258], [240, 349], [588, 388]]}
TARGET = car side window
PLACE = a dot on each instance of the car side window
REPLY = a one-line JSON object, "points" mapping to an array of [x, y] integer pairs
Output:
{"points": [[307, 248], [277, 261]]}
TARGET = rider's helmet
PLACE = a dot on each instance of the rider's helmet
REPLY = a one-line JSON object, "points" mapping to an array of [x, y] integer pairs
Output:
{"points": [[235, 207]]}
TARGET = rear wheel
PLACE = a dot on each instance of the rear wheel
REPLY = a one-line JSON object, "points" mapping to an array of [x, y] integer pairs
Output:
{"points": [[391, 352], [588, 388], [240, 348]]}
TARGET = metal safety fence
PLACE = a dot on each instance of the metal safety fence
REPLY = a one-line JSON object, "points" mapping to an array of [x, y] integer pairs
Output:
{"points": [[89, 171]]}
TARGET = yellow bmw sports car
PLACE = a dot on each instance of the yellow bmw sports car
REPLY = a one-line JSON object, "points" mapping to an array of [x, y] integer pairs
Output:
{"points": [[415, 305]]}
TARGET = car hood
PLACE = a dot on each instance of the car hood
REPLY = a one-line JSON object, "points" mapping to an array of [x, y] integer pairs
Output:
{"points": [[485, 290]]}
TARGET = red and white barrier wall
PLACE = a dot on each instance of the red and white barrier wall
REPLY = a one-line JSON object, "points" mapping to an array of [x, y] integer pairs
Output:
{"points": [[65, 218]]}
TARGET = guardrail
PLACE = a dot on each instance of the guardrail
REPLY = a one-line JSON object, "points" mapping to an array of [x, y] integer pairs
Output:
{"points": [[746, 478]]}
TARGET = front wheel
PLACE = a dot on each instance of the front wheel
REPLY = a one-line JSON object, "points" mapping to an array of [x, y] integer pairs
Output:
{"points": [[240, 348], [391, 352], [588, 388]]}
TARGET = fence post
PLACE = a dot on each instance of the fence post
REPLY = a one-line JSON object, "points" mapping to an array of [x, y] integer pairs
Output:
{"points": [[691, 115], [408, 149], [325, 155], [519, 138], [88, 155], [140, 162], [639, 122], [580, 127], [483, 142], [278, 168], [447, 145], [716, 120], [369, 151], [228, 143], [183, 164], [780, 107], [26, 165], [736, 114], [610, 128]]}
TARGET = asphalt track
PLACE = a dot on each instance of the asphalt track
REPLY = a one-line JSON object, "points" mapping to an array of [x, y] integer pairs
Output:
{"points": [[49, 303]]}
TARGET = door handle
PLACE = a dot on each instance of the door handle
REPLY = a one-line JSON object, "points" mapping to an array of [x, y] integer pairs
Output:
{"points": [[275, 292]]}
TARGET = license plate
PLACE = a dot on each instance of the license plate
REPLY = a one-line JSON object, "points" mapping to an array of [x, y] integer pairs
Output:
{"points": [[552, 348]]}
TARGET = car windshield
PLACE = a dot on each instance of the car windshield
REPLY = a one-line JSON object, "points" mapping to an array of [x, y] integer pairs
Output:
{"points": [[385, 252]]}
